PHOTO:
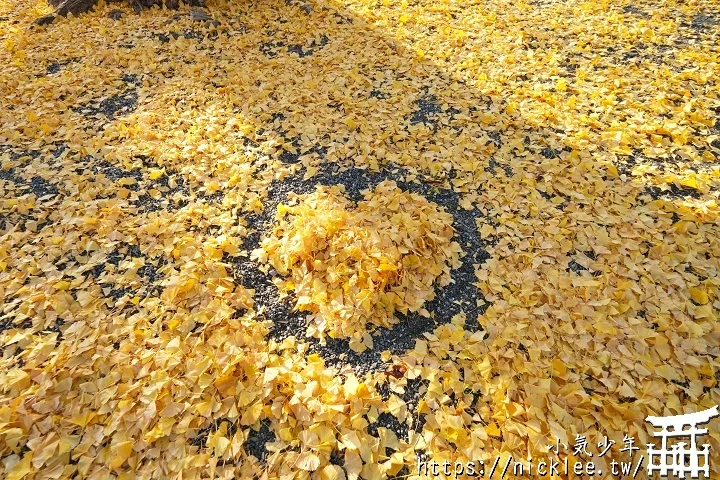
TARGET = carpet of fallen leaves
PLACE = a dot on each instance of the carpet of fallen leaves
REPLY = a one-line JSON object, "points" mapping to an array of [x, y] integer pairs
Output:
{"points": [[138, 154]]}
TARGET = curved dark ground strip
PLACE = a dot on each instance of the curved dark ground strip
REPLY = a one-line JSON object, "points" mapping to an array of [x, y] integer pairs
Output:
{"points": [[459, 296], [257, 439]]}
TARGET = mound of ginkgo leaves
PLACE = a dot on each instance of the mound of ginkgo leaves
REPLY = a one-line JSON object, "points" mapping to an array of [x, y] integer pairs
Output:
{"points": [[351, 266]]}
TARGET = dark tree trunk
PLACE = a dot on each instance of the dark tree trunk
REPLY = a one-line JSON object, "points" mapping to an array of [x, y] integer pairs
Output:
{"points": [[77, 7]]}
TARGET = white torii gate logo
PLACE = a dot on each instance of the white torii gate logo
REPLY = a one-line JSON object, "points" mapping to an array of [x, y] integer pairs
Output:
{"points": [[678, 460]]}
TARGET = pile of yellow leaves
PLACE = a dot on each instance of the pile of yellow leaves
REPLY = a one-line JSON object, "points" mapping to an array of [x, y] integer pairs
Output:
{"points": [[353, 265]]}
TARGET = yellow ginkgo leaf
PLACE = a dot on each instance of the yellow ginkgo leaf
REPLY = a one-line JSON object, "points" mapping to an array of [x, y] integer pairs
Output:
{"points": [[332, 472], [121, 452], [307, 461], [492, 429], [699, 295], [21, 468]]}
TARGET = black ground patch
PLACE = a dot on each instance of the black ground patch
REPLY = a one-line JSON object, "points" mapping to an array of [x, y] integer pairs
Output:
{"points": [[151, 273], [285, 321], [705, 21], [117, 105], [116, 293], [130, 79], [37, 185], [115, 173], [632, 10], [575, 267], [169, 197], [112, 260], [415, 389], [256, 440], [673, 192], [427, 110], [200, 439], [287, 156], [53, 68], [123, 103], [41, 187], [390, 422], [8, 175], [271, 48], [307, 50]]}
